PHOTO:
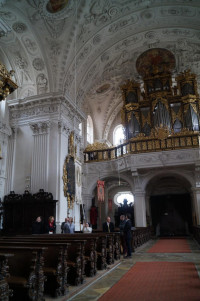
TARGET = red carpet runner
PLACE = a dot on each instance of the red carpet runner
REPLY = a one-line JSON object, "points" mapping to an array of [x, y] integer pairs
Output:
{"points": [[157, 281], [165, 245]]}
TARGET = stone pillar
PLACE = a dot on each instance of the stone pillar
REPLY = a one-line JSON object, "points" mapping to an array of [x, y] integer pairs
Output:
{"points": [[139, 201], [140, 209], [5, 132], [40, 158], [87, 201], [196, 205], [76, 215], [62, 151], [11, 153], [196, 196]]}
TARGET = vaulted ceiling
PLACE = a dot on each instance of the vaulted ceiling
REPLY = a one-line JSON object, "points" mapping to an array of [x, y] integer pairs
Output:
{"points": [[85, 49]]}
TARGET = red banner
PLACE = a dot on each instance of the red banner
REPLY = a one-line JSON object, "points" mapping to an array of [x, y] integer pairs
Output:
{"points": [[100, 190], [109, 205]]}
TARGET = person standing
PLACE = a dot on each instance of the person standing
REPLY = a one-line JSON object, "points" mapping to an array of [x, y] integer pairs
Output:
{"points": [[128, 235], [63, 224], [51, 226], [122, 237], [66, 228], [38, 226], [71, 225], [108, 226]]}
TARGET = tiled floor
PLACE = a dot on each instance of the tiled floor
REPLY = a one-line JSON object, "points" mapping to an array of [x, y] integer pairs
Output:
{"points": [[95, 287]]}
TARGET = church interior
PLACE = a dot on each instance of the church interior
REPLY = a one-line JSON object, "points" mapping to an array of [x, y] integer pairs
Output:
{"points": [[99, 117]]}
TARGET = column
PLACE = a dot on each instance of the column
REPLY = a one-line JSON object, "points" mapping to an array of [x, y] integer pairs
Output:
{"points": [[140, 209], [196, 205], [139, 201], [62, 151], [11, 151], [40, 157]]}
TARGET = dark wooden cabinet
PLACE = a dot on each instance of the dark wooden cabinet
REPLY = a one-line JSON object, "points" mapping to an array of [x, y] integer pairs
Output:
{"points": [[20, 211]]}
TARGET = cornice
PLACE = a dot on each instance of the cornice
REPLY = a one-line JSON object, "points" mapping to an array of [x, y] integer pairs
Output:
{"points": [[35, 108]]}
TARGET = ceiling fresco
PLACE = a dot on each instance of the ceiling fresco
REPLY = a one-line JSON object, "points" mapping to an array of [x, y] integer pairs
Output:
{"points": [[86, 49]]}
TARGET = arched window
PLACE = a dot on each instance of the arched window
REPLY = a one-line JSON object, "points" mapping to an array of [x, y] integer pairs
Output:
{"points": [[80, 128], [89, 130], [123, 195], [118, 135]]}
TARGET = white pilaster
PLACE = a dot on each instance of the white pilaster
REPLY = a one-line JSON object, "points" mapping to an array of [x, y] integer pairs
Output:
{"points": [[40, 157], [140, 209], [11, 154], [196, 205]]}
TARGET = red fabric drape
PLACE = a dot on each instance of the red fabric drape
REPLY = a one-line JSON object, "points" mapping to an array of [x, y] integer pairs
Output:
{"points": [[109, 205], [93, 215], [100, 190]]}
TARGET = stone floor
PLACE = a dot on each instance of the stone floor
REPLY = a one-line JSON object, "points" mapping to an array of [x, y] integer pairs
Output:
{"points": [[94, 287]]}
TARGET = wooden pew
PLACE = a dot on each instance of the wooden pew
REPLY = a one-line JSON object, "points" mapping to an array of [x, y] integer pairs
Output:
{"points": [[100, 253], [117, 243], [112, 245], [107, 248], [5, 292], [26, 272], [85, 262], [89, 256], [95, 258], [90, 250], [62, 262], [140, 236]]}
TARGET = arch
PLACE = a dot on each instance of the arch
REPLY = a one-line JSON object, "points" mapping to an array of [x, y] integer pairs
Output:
{"points": [[187, 179], [93, 182], [169, 204], [80, 127]]}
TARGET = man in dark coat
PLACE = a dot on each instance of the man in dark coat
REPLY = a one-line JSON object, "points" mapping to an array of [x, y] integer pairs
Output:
{"points": [[128, 235], [38, 226], [108, 226], [122, 237]]}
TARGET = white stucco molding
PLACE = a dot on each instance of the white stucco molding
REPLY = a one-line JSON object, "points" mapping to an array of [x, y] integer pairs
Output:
{"points": [[41, 107]]}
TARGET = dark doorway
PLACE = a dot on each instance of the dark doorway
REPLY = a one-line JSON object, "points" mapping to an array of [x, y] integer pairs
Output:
{"points": [[171, 214]]}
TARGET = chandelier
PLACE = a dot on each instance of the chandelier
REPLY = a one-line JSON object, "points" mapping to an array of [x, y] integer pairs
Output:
{"points": [[7, 85]]}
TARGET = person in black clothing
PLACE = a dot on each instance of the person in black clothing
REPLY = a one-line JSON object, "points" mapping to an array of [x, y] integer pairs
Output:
{"points": [[128, 235], [108, 226], [122, 237], [38, 226]]}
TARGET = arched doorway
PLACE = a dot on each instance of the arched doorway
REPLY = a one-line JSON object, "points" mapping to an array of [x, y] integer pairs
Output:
{"points": [[170, 206], [114, 185]]}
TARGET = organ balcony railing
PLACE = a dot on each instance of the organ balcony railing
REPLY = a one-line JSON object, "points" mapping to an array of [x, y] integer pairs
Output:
{"points": [[185, 139]]}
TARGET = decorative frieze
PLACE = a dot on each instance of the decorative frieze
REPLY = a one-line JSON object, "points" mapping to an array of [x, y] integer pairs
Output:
{"points": [[38, 107]]}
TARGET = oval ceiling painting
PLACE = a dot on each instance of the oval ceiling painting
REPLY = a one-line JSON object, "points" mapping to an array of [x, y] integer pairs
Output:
{"points": [[156, 60], [54, 6]]}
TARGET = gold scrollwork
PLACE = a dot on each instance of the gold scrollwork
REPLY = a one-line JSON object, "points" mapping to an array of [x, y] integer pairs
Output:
{"points": [[96, 146], [68, 194], [65, 179]]}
